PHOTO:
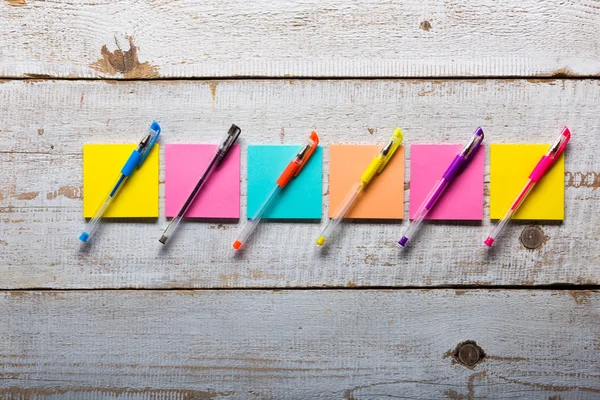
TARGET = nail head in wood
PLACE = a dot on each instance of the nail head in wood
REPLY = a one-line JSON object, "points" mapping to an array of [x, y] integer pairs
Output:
{"points": [[532, 237]]}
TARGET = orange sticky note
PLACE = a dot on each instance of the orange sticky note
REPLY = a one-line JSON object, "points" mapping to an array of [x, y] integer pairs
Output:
{"points": [[384, 196]]}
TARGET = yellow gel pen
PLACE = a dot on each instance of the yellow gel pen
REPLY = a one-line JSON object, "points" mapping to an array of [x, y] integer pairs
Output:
{"points": [[376, 166]]}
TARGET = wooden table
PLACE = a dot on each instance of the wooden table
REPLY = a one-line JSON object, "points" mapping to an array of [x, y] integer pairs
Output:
{"points": [[125, 318]]}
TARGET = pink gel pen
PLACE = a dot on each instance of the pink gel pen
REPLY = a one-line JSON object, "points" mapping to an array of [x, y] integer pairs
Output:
{"points": [[461, 160], [538, 172]]}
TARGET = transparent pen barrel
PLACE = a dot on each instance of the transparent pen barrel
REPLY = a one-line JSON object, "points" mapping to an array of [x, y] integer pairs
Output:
{"points": [[423, 210], [170, 229], [92, 225], [340, 212], [502, 224], [510, 212], [255, 219], [412, 229]]}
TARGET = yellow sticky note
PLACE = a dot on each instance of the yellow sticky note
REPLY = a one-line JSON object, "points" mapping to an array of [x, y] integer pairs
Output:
{"points": [[510, 166], [102, 165]]}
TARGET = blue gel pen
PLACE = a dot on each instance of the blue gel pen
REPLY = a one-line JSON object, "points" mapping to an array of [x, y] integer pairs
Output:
{"points": [[135, 161]]}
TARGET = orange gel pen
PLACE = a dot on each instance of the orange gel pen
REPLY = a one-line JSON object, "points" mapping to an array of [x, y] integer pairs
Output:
{"points": [[292, 170]]}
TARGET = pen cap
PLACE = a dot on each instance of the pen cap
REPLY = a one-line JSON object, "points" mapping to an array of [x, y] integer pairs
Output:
{"points": [[228, 141], [555, 151], [313, 142], [559, 146], [395, 142], [468, 152], [465, 156], [153, 133]]}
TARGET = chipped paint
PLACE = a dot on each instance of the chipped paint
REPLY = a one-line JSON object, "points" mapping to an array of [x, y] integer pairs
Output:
{"points": [[228, 278], [563, 72], [125, 63], [95, 392], [70, 192], [27, 195], [16, 3], [551, 387], [582, 179], [425, 25], [218, 226], [213, 90], [454, 395], [581, 297]]}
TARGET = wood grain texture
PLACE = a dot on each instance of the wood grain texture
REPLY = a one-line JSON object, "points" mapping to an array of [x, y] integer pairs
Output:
{"points": [[351, 344], [45, 125], [364, 38]]}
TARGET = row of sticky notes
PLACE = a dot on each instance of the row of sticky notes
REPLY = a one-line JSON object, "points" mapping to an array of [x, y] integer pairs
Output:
{"points": [[510, 165]]}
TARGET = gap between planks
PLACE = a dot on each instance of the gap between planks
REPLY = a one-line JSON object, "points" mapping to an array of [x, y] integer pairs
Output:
{"points": [[542, 78], [458, 288]]}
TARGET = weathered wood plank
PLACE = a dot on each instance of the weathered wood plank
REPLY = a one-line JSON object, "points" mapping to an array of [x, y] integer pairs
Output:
{"points": [[351, 344], [219, 38], [45, 124]]}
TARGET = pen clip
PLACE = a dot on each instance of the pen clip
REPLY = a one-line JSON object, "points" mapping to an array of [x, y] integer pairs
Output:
{"points": [[559, 146], [307, 151], [148, 141], [468, 152], [389, 150], [228, 142]]}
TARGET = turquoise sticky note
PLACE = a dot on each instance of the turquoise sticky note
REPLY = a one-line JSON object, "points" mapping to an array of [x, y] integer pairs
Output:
{"points": [[301, 198]]}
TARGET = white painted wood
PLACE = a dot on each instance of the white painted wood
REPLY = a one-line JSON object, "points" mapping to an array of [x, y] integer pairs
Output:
{"points": [[351, 344], [45, 124], [220, 38]]}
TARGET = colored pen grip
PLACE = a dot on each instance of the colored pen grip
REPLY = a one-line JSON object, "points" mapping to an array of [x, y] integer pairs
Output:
{"points": [[371, 171], [454, 168], [132, 163], [287, 174], [541, 168]]}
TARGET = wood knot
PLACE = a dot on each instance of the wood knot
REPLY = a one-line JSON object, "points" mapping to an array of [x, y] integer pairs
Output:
{"points": [[532, 237], [468, 353]]}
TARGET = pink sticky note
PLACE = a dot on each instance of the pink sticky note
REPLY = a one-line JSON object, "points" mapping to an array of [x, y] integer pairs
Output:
{"points": [[220, 196], [463, 199]]}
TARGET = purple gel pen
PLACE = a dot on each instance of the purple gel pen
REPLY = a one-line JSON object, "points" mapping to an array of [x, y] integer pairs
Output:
{"points": [[460, 162]]}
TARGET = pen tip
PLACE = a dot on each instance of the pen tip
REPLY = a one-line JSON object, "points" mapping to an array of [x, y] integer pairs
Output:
{"points": [[163, 239], [237, 244], [489, 242], [320, 240]]}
